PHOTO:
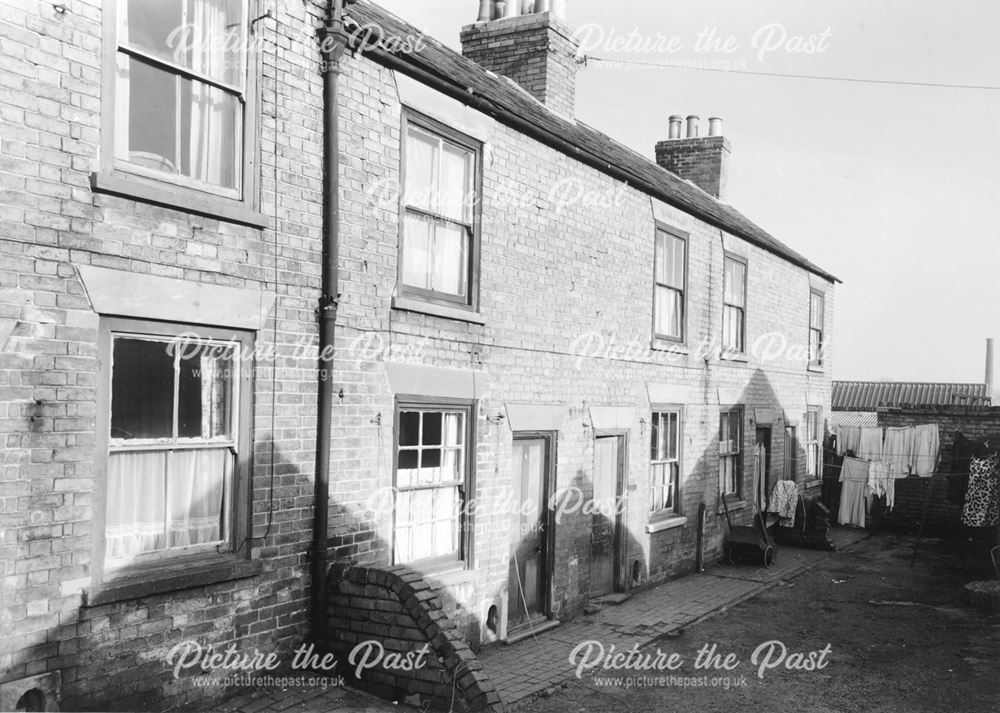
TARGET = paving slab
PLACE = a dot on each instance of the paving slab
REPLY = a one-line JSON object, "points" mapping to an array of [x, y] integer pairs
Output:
{"points": [[643, 618]]}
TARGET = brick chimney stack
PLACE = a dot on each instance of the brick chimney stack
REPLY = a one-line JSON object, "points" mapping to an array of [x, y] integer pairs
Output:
{"points": [[704, 161], [529, 42]]}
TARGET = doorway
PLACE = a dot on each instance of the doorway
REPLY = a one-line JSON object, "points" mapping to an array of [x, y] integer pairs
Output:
{"points": [[609, 468], [529, 579], [765, 484]]}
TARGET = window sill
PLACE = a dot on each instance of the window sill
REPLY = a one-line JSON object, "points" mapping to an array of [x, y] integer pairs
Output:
{"points": [[178, 577], [666, 523], [665, 345], [186, 200], [812, 483], [733, 357], [451, 577], [408, 304], [815, 369]]}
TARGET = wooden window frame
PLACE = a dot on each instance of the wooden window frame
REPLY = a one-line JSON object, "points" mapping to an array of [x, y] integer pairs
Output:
{"points": [[813, 412], [117, 177], [684, 238], [464, 557], [816, 359], [737, 455], [675, 510], [171, 563], [733, 257], [471, 301]]}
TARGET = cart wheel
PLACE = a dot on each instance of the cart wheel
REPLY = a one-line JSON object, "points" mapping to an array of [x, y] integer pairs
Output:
{"points": [[731, 554], [768, 557]]}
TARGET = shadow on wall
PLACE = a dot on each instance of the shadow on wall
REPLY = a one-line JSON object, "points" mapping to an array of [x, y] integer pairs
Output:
{"points": [[114, 656]]}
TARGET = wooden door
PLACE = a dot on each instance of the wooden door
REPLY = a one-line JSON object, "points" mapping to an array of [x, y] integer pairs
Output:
{"points": [[528, 579], [604, 529]]}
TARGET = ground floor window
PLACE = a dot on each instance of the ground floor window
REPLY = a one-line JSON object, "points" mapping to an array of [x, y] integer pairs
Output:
{"points": [[730, 451], [665, 461], [175, 432], [432, 480]]}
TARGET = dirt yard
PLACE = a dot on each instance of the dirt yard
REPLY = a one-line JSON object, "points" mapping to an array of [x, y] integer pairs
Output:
{"points": [[900, 640]]}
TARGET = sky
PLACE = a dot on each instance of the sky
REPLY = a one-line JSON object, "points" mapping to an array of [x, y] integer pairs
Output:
{"points": [[890, 187]]}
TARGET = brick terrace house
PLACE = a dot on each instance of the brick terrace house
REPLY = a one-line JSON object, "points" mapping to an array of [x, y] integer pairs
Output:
{"points": [[532, 318]]}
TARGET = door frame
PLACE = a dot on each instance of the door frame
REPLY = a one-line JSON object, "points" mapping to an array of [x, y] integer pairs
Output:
{"points": [[619, 544], [767, 466], [551, 439]]}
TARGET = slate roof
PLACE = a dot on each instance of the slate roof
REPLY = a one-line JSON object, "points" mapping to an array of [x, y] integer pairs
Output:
{"points": [[589, 143], [871, 395]]}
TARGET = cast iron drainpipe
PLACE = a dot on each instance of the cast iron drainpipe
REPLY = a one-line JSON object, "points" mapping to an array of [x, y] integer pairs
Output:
{"points": [[332, 48]]}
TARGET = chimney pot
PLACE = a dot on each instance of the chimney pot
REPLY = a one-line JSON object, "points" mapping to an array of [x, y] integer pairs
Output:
{"points": [[543, 6], [675, 126], [715, 126], [485, 10], [692, 126], [512, 8]]}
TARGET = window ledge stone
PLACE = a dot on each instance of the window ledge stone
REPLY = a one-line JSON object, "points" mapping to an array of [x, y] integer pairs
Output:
{"points": [[666, 523], [812, 368], [177, 578], [408, 304], [181, 198], [665, 345], [812, 483], [736, 358]]}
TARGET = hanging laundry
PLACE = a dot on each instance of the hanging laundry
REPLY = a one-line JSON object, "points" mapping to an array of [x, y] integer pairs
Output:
{"points": [[870, 447], [881, 482], [897, 451], [853, 497], [926, 450], [982, 501], [784, 498], [848, 439]]}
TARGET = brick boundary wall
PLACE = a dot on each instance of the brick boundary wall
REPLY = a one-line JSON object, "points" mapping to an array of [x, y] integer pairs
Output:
{"points": [[397, 608], [975, 422]]}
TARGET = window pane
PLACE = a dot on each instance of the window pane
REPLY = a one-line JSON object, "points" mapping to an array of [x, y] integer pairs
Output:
{"points": [[135, 503], [176, 125], [669, 318], [205, 36], [142, 389], [732, 328], [432, 429], [734, 282], [420, 151], [672, 437], [816, 312], [454, 431], [417, 252], [670, 260], [455, 191], [197, 486], [449, 259], [205, 393], [409, 428], [654, 443]]}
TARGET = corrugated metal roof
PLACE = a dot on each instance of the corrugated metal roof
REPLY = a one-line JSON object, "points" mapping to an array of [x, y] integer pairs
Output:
{"points": [[872, 395], [473, 81]]}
